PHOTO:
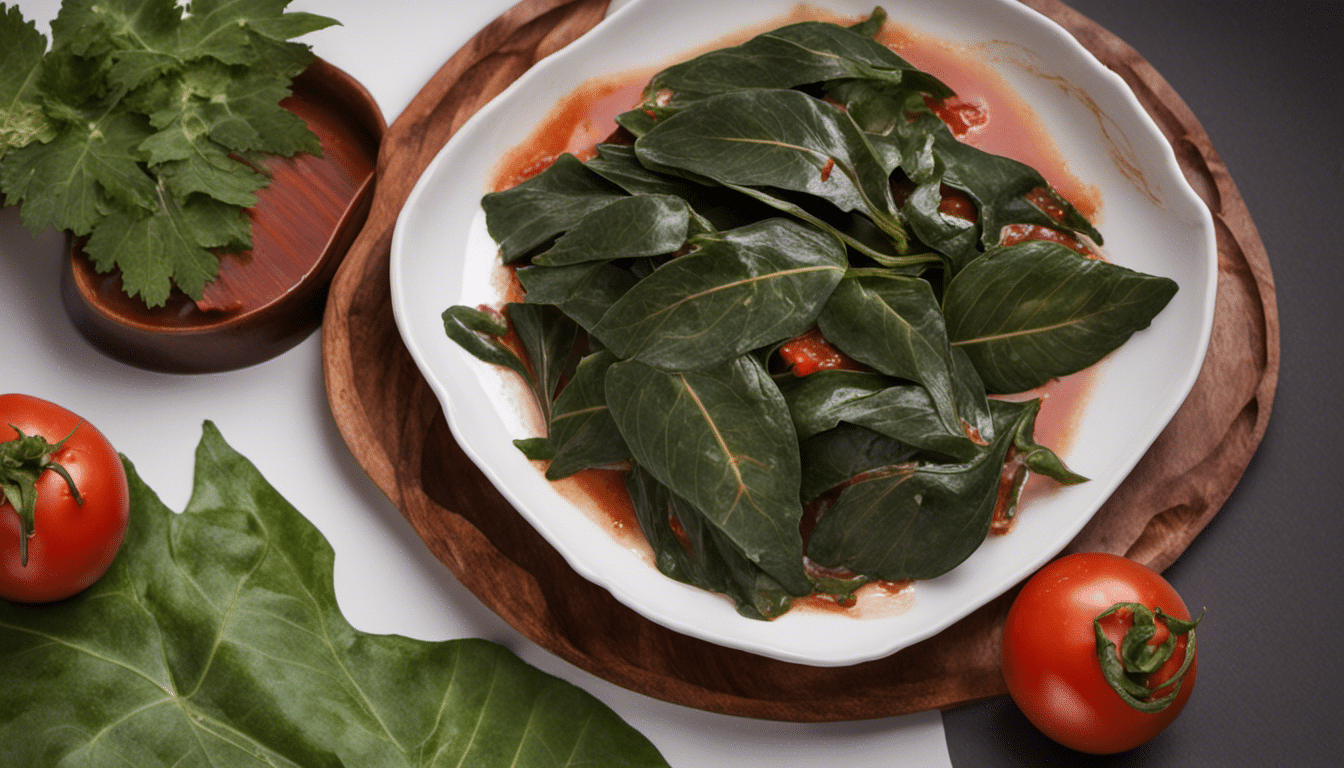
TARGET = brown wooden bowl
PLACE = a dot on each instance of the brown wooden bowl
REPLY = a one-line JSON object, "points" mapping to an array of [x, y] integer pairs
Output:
{"points": [[269, 299]]}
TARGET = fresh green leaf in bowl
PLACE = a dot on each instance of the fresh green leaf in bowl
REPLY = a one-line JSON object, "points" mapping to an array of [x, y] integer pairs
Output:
{"points": [[145, 128], [216, 639]]}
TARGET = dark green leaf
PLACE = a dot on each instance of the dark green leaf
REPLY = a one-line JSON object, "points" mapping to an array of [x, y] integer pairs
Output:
{"points": [[736, 291], [1037, 310], [642, 225], [479, 332], [893, 324], [544, 206], [905, 412], [720, 438], [582, 430], [783, 139], [915, 522], [836, 455], [998, 185], [1039, 458], [793, 55], [216, 639], [697, 553], [548, 340], [582, 291]]}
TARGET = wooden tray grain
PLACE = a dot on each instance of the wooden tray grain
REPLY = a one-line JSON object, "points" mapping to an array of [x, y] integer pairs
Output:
{"points": [[395, 428]]}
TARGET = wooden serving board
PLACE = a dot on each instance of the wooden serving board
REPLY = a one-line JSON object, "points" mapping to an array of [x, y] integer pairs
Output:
{"points": [[395, 428]]}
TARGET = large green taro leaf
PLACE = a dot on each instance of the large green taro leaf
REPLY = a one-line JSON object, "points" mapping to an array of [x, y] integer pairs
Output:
{"points": [[739, 290], [721, 439], [1034, 311], [216, 640]]}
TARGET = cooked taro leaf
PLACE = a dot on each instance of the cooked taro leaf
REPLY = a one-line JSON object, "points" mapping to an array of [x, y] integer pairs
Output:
{"points": [[794, 55], [722, 439], [479, 332], [642, 225], [736, 291], [894, 325], [531, 214], [724, 207], [999, 185], [1039, 458], [706, 558], [836, 455], [957, 239], [972, 402], [584, 292], [784, 139], [535, 448], [582, 432], [820, 401], [216, 639], [1037, 310], [917, 522], [617, 164], [548, 337], [641, 120]]}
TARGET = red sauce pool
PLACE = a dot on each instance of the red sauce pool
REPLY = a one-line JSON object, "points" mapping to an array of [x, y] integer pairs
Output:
{"points": [[986, 113]]}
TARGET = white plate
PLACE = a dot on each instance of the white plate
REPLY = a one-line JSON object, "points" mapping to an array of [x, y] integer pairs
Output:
{"points": [[1151, 218]]}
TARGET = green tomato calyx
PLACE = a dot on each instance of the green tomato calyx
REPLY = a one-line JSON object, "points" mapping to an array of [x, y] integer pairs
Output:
{"points": [[1127, 671], [22, 462]]}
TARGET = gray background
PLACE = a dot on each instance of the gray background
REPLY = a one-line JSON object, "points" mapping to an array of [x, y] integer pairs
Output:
{"points": [[1261, 76]]}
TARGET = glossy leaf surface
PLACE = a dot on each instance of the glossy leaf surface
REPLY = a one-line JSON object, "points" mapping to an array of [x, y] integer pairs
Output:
{"points": [[1034, 311], [905, 412], [736, 291], [916, 521], [530, 214], [775, 138], [216, 639], [797, 54], [642, 225], [721, 438], [582, 430], [893, 323], [689, 549]]}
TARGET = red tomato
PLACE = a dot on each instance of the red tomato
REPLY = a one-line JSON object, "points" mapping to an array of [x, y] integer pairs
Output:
{"points": [[1050, 657], [72, 543]]}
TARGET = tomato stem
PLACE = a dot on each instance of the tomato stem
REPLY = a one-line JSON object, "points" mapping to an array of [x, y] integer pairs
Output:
{"points": [[22, 462], [1128, 670]]}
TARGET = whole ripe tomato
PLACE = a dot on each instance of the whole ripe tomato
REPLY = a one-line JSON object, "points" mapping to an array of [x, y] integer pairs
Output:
{"points": [[1051, 655], [75, 533]]}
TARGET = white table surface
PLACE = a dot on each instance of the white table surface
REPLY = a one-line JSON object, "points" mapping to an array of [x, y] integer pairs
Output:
{"points": [[277, 415]]}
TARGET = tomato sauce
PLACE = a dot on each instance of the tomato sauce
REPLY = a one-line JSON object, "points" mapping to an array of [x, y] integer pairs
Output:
{"points": [[986, 112]]}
